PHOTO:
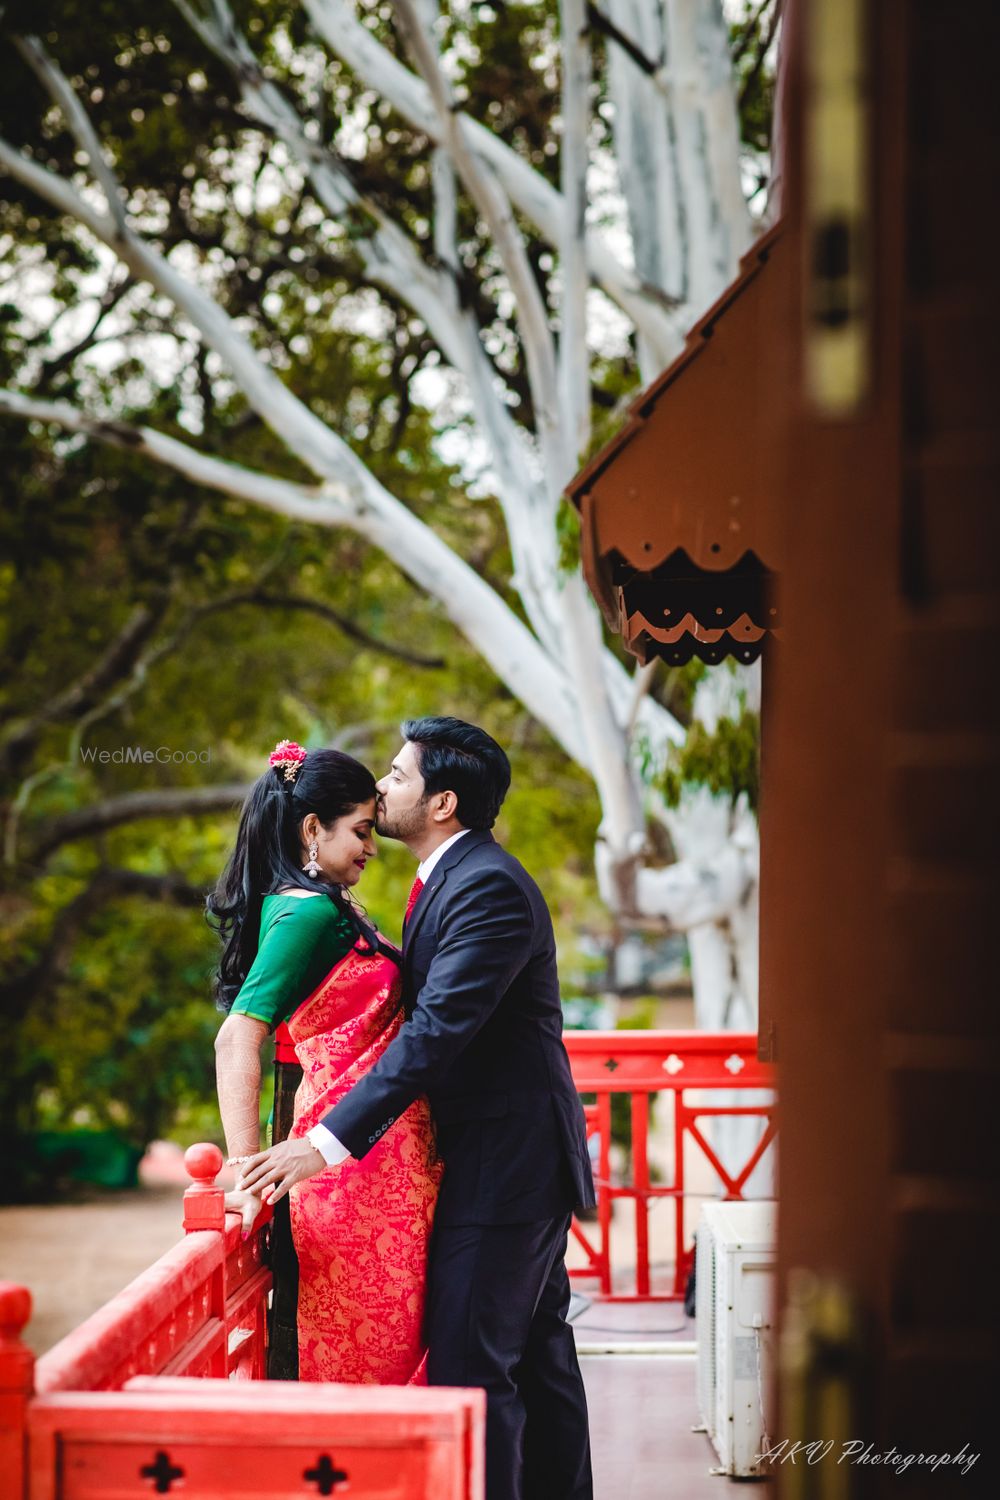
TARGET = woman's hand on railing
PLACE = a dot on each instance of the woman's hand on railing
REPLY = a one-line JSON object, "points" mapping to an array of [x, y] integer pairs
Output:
{"points": [[248, 1205]]}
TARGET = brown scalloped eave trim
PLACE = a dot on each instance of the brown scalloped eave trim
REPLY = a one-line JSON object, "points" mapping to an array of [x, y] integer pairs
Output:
{"points": [[740, 631], [679, 652], [678, 591]]}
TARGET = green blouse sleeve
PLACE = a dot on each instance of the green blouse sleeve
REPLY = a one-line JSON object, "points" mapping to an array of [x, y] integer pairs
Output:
{"points": [[302, 939]]}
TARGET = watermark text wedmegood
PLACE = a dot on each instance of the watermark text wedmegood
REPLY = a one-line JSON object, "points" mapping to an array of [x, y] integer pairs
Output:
{"points": [[135, 755], [857, 1451]]}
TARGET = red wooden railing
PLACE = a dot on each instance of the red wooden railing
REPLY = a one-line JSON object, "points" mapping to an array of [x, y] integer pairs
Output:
{"points": [[641, 1063], [199, 1310], [163, 1389], [121, 1382]]}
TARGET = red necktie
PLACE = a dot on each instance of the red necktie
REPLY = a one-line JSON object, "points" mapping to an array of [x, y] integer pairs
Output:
{"points": [[411, 902]]}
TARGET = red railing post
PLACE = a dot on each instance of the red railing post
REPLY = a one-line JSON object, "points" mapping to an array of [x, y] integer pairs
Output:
{"points": [[604, 1189], [205, 1208], [204, 1203], [640, 1179], [17, 1382], [680, 1254]]}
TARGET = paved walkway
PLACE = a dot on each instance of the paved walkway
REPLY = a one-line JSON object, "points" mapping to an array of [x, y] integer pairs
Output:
{"points": [[642, 1410], [74, 1256]]}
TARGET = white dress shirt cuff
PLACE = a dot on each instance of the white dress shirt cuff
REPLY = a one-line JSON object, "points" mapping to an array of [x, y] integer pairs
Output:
{"points": [[332, 1150]]}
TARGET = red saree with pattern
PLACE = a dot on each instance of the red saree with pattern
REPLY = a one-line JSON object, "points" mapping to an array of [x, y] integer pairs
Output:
{"points": [[361, 1229]]}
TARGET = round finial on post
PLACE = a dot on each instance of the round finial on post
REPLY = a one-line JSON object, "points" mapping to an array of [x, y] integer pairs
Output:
{"points": [[17, 1381], [15, 1311], [204, 1203], [203, 1162], [17, 1361]]}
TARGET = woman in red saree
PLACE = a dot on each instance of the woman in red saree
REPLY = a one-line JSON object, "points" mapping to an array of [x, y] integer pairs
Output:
{"points": [[298, 951]]}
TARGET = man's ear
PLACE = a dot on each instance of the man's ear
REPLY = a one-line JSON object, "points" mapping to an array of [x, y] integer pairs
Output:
{"points": [[447, 807]]}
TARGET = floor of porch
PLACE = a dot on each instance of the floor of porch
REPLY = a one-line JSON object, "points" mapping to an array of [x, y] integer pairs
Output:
{"points": [[643, 1406]]}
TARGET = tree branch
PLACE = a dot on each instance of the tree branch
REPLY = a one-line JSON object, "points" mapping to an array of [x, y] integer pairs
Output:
{"points": [[132, 807], [574, 361], [708, 134], [763, 47], [349, 494], [653, 68], [118, 659], [680, 896], [339, 26], [32, 985], [366, 505], [750, 30], [344, 623], [435, 292], [472, 605], [108, 302], [76, 117], [384, 244], [494, 205]]}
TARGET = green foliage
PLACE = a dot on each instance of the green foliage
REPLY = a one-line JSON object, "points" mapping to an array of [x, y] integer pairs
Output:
{"points": [[568, 537], [752, 46], [128, 1056], [726, 761], [641, 1016]]}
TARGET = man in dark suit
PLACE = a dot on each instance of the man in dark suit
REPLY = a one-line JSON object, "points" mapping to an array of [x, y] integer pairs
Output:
{"points": [[483, 1040]]}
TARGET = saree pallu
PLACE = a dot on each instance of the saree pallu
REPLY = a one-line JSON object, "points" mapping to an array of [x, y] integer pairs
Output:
{"points": [[361, 1229]]}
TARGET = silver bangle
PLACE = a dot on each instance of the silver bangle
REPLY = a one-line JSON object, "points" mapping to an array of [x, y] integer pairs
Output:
{"points": [[237, 1161]]}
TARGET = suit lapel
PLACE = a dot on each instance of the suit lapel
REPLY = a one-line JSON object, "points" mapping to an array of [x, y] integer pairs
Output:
{"points": [[451, 857]]}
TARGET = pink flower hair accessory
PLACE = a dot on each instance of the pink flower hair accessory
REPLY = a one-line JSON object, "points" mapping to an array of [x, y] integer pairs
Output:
{"points": [[288, 756]]}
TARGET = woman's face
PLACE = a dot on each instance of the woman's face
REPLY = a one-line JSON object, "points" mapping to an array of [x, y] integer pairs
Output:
{"points": [[346, 846]]}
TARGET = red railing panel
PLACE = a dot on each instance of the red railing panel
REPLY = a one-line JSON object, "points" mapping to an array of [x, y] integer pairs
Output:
{"points": [[641, 1063], [213, 1438]]}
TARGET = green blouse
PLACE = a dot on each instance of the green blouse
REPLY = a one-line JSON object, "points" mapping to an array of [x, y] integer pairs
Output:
{"points": [[301, 938]]}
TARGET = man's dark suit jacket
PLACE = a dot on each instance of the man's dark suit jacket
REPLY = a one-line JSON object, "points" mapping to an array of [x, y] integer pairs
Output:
{"points": [[483, 1040]]}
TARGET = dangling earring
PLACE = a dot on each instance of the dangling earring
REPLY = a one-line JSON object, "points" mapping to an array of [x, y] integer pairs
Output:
{"points": [[313, 868]]}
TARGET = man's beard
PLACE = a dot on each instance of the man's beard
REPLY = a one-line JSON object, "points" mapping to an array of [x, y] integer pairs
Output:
{"points": [[403, 826]]}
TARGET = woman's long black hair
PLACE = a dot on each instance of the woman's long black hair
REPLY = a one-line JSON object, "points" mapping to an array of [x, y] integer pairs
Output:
{"points": [[268, 856]]}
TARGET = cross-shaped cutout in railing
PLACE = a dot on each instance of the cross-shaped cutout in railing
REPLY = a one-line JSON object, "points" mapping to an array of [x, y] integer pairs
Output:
{"points": [[325, 1476], [163, 1471]]}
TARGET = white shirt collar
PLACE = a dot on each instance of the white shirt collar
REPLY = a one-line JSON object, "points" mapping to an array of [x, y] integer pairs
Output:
{"points": [[425, 869]]}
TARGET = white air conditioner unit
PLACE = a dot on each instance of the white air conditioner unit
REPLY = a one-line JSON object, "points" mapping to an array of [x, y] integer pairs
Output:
{"points": [[735, 1317]]}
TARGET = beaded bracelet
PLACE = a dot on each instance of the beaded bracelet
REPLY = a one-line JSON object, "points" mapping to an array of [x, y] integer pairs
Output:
{"points": [[237, 1161]]}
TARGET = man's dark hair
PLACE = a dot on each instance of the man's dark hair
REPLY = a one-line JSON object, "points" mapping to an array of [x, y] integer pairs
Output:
{"points": [[460, 758]]}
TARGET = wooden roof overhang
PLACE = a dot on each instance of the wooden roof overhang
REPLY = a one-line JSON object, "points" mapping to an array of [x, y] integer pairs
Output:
{"points": [[680, 531]]}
